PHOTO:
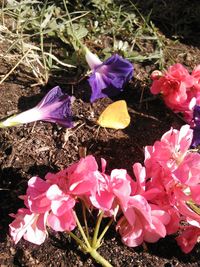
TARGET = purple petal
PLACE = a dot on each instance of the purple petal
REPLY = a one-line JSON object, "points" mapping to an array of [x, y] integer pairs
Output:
{"points": [[51, 97], [98, 82], [108, 78], [196, 137], [196, 115], [59, 112], [196, 129], [120, 70], [55, 107]]}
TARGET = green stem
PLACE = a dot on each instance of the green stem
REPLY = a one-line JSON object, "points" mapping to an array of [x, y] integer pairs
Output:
{"points": [[98, 258], [85, 220], [96, 230], [87, 248], [81, 230], [79, 241], [98, 242], [194, 207]]}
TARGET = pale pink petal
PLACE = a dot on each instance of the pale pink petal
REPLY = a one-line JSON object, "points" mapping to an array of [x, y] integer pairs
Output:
{"points": [[65, 222], [37, 232], [36, 198], [132, 236]]}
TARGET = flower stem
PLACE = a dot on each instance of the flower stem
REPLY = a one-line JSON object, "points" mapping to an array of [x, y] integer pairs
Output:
{"points": [[194, 207], [78, 241], [98, 258], [96, 230], [98, 242], [81, 230], [85, 220], [92, 248]]}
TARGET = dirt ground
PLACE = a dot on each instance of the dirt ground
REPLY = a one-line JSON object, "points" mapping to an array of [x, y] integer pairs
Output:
{"points": [[37, 148]]}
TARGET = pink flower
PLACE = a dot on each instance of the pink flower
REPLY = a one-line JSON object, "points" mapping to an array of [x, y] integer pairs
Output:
{"points": [[29, 225], [142, 222], [82, 176], [173, 85], [195, 193], [188, 170], [175, 218], [180, 90], [167, 154], [79, 179], [188, 238], [112, 190], [61, 217], [196, 76], [35, 198], [64, 222], [60, 178], [141, 186], [156, 74]]}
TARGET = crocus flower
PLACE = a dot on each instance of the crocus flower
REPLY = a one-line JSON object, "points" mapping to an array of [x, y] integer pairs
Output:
{"points": [[54, 107], [109, 77]]}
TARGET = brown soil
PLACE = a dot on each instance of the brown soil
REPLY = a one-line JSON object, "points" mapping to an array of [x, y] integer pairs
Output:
{"points": [[37, 148]]}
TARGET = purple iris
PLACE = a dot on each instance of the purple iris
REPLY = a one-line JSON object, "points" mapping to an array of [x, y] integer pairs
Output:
{"points": [[54, 107], [196, 129], [109, 77]]}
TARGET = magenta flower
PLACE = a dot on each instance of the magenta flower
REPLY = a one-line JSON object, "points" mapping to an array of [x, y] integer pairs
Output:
{"points": [[175, 85], [188, 238], [142, 222], [54, 107], [109, 77]]}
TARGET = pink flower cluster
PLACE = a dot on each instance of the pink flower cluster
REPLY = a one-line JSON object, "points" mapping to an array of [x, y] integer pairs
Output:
{"points": [[162, 198], [180, 89]]}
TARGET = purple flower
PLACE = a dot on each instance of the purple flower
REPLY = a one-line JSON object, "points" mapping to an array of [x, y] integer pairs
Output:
{"points": [[108, 77], [54, 107], [196, 129]]}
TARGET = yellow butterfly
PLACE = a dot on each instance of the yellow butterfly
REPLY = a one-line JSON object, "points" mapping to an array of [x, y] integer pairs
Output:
{"points": [[115, 116]]}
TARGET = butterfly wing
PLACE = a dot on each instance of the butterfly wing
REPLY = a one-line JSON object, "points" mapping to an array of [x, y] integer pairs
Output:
{"points": [[115, 116]]}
